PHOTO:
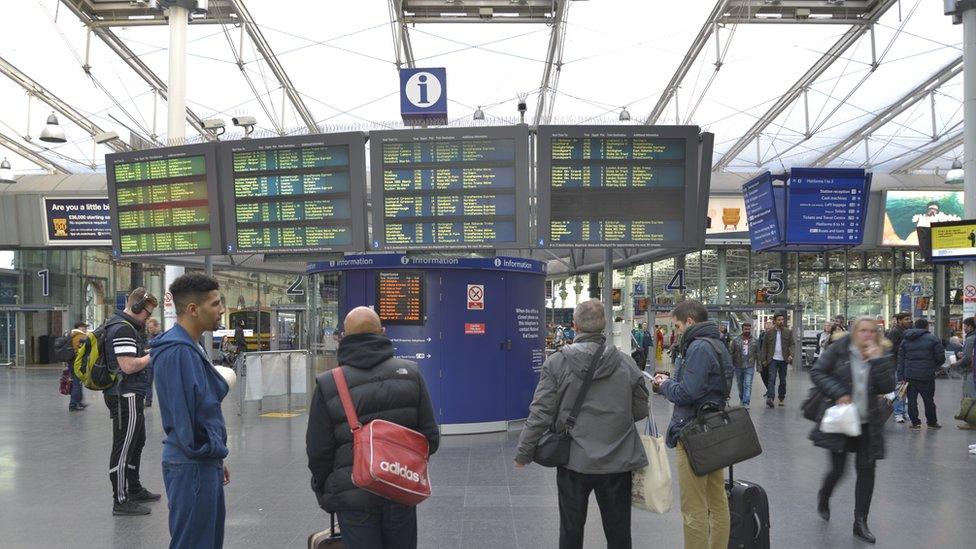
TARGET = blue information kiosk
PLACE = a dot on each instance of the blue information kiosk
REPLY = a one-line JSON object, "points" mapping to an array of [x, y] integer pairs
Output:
{"points": [[475, 326]]}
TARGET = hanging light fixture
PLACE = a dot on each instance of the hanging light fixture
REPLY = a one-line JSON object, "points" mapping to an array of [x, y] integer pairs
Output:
{"points": [[6, 173], [624, 115], [955, 175], [53, 132], [479, 114]]}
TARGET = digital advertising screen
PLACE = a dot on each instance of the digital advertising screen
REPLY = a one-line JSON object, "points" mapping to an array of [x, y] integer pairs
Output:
{"points": [[451, 189], [294, 194], [905, 211], [78, 221], [953, 241], [164, 201], [615, 186], [400, 297]]}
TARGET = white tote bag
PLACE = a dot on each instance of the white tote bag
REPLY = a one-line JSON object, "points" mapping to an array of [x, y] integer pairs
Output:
{"points": [[651, 489], [841, 419]]}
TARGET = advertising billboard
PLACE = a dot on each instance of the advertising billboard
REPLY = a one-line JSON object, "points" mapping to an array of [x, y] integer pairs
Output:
{"points": [[905, 211], [953, 241]]}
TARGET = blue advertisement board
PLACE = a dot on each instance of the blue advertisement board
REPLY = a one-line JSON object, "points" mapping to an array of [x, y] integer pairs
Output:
{"points": [[78, 221], [826, 206], [423, 96], [761, 212]]}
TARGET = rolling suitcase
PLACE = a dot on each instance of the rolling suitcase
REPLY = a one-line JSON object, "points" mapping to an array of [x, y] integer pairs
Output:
{"points": [[327, 539], [749, 515]]}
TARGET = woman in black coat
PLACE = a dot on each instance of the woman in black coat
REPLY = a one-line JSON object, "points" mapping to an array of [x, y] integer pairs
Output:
{"points": [[855, 370]]}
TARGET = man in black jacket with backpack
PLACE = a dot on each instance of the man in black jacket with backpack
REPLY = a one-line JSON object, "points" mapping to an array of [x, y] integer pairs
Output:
{"points": [[381, 387]]}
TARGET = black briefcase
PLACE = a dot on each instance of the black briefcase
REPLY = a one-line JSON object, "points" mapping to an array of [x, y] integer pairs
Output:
{"points": [[716, 439]]}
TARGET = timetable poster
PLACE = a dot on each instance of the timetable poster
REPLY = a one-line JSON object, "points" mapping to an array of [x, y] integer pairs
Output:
{"points": [[617, 186], [295, 194], [164, 201], [460, 189], [400, 297]]}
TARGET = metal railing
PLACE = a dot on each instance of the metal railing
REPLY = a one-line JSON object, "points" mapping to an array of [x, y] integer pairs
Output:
{"points": [[272, 374]]}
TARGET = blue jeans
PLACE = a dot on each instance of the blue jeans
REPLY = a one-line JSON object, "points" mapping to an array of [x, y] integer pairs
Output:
{"points": [[743, 380], [76, 389], [392, 527], [899, 405], [776, 368], [195, 492]]}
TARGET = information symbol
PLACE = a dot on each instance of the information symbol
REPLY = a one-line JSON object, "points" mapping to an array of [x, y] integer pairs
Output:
{"points": [[423, 89]]}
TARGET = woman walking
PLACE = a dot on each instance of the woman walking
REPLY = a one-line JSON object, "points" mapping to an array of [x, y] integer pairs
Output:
{"points": [[855, 369]]}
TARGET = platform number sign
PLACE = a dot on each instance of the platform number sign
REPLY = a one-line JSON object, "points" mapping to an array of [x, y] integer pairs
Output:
{"points": [[423, 96], [775, 278], [677, 282], [296, 286], [45, 277]]}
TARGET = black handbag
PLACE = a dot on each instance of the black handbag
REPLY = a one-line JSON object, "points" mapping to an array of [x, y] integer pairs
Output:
{"points": [[553, 447], [815, 405], [718, 438]]}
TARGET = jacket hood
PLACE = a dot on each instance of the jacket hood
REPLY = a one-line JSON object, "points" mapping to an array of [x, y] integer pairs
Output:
{"points": [[915, 333], [699, 330], [176, 335], [580, 353], [364, 351]]}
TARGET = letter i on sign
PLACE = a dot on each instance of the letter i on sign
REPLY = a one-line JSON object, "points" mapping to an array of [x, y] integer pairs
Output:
{"points": [[423, 88]]}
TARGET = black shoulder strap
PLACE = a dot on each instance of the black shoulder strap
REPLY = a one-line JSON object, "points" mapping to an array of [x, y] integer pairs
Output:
{"points": [[717, 346], [587, 381]]}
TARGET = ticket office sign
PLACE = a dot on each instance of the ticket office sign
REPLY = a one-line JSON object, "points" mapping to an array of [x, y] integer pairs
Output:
{"points": [[164, 201]]}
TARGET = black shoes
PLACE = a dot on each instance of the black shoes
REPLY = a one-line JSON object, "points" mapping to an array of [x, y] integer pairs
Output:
{"points": [[916, 427], [129, 509], [143, 495], [77, 407], [935, 425], [861, 531], [823, 505], [769, 403]]}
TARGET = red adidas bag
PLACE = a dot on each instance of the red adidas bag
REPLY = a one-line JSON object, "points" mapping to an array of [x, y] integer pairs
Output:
{"points": [[388, 460]]}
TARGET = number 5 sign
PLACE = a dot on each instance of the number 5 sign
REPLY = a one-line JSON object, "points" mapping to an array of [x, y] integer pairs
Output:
{"points": [[775, 277]]}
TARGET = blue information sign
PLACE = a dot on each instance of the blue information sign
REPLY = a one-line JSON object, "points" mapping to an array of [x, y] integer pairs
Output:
{"points": [[764, 224], [423, 96], [826, 206]]}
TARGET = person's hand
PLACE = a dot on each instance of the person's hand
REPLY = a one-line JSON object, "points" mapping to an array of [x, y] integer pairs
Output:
{"points": [[226, 476], [871, 351], [519, 465], [846, 399]]}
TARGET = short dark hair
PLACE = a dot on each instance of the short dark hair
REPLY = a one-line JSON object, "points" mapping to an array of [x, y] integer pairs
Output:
{"points": [[692, 309], [902, 316], [969, 321], [141, 294], [191, 288], [749, 324], [922, 324], [83, 324], [779, 315]]}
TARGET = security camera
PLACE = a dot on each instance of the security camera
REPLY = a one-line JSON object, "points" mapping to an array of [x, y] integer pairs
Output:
{"points": [[213, 124], [244, 121]]}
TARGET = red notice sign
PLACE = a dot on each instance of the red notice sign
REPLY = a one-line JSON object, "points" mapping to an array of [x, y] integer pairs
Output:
{"points": [[474, 328]]}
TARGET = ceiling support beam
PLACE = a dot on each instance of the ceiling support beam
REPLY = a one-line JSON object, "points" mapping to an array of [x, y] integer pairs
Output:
{"points": [[689, 60], [401, 36], [897, 107], [129, 57], [951, 142], [15, 146], [272, 60], [40, 92], [808, 79], [554, 61]]}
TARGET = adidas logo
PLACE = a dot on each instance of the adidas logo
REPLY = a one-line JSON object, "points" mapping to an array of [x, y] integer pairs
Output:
{"points": [[400, 470]]}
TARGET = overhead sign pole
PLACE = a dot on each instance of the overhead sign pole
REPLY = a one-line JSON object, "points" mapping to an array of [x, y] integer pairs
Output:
{"points": [[176, 129]]}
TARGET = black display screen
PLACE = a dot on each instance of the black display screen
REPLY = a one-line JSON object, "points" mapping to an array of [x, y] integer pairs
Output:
{"points": [[400, 297], [164, 201], [617, 186], [450, 189], [295, 194]]}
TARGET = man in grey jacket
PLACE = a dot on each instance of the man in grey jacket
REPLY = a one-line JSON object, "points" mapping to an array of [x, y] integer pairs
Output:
{"points": [[745, 356], [605, 447]]}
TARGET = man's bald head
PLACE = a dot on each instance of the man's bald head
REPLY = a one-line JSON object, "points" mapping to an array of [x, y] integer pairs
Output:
{"points": [[362, 320]]}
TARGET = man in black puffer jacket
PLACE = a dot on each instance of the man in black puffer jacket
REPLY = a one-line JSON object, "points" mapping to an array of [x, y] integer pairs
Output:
{"points": [[921, 354], [382, 387]]}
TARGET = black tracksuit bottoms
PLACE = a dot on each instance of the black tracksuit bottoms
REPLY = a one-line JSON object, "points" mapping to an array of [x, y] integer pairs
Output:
{"points": [[128, 439]]}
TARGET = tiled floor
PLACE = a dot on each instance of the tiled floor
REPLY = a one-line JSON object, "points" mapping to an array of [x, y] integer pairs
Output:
{"points": [[54, 491]]}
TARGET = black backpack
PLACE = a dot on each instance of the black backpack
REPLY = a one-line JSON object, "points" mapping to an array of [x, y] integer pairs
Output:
{"points": [[63, 352]]}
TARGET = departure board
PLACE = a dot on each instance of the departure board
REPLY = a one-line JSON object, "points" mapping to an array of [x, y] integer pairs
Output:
{"points": [[164, 201], [459, 189], [617, 186], [400, 297], [295, 194]]}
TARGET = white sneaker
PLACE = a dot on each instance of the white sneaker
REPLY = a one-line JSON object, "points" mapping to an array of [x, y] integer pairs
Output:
{"points": [[972, 446], [899, 419], [972, 451]]}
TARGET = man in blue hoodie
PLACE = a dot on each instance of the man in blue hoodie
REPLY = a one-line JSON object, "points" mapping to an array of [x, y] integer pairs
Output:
{"points": [[704, 372], [189, 392]]}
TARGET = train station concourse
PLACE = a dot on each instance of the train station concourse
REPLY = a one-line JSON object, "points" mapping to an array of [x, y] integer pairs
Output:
{"points": [[487, 273]]}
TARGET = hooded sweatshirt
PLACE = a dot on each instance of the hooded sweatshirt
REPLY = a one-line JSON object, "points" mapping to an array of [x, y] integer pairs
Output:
{"points": [[189, 392], [381, 387], [604, 439]]}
